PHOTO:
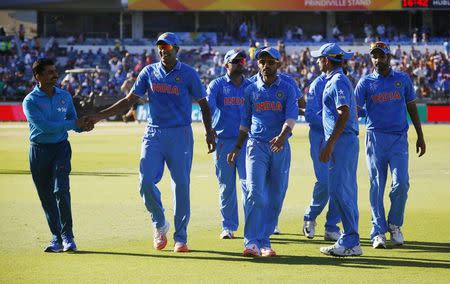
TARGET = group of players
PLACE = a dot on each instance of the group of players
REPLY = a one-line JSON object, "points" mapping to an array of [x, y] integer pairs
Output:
{"points": [[248, 134]]}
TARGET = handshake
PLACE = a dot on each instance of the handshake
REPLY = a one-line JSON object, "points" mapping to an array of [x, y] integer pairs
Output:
{"points": [[86, 123]]}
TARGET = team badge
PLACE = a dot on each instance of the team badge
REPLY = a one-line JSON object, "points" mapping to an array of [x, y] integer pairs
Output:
{"points": [[280, 95], [177, 78], [398, 84], [63, 102]]}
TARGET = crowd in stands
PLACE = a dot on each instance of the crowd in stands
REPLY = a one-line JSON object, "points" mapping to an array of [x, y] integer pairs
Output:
{"points": [[429, 70]]}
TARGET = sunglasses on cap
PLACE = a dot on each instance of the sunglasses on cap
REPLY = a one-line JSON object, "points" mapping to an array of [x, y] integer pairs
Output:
{"points": [[166, 47], [267, 61], [378, 44], [238, 61]]}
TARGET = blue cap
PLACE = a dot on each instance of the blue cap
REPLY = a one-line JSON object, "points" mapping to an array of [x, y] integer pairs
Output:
{"points": [[258, 50], [271, 51], [384, 47], [332, 51], [169, 38], [232, 54]]}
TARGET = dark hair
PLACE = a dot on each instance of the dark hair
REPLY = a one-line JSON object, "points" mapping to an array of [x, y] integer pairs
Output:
{"points": [[39, 65]]}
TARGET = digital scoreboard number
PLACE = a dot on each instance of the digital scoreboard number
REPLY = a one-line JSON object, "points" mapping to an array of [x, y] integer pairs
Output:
{"points": [[426, 4]]}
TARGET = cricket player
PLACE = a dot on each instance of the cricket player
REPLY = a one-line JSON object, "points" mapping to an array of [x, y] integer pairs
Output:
{"points": [[269, 115], [171, 86], [388, 96], [50, 114], [340, 123], [320, 196], [225, 99], [301, 101]]}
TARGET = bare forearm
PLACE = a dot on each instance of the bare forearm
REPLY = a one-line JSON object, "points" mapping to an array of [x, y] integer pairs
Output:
{"points": [[413, 113], [243, 135], [339, 127], [119, 107]]}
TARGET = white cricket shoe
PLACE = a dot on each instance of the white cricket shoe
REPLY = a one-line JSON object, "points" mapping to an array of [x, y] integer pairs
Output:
{"points": [[331, 236], [159, 238], [341, 251], [226, 234], [276, 231], [396, 235], [379, 241], [309, 229]]}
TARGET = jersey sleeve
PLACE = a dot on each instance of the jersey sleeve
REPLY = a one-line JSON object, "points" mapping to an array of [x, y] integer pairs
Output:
{"points": [[361, 93], [341, 94], [211, 95], [246, 112], [141, 85], [410, 94], [196, 88], [293, 83], [291, 111]]}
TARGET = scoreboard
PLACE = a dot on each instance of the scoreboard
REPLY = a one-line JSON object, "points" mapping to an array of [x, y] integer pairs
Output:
{"points": [[437, 4]]}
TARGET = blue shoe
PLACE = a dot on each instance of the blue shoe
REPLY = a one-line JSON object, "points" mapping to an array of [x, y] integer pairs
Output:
{"points": [[54, 246], [69, 244]]}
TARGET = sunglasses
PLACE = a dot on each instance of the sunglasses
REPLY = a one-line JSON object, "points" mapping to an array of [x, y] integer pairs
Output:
{"points": [[267, 61], [166, 47], [238, 61], [378, 44]]}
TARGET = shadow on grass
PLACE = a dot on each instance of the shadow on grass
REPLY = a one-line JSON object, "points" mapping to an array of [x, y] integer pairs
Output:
{"points": [[373, 262], [73, 173], [416, 246]]}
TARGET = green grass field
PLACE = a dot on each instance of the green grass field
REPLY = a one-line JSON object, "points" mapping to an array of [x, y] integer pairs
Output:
{"points": [[114, 234]]}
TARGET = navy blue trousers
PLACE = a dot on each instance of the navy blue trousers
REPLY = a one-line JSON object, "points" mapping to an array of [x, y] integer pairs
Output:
{"points": [[50, 169]]}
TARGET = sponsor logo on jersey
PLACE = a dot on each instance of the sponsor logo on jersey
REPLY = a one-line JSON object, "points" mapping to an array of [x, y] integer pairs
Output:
{"points": [[231, 101], [268, 105], [165, 88], [386, 97]]}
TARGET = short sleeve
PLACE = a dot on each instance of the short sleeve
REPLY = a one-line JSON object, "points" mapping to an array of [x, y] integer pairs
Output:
{"points": [[141, 85]]}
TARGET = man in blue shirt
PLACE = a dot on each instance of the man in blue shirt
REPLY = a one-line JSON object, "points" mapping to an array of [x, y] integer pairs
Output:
{"points": [[313, 115], [225, 99], [298, 94], [340, 123], [171, 86], [268, 117], [50, 114], [388, 96]]}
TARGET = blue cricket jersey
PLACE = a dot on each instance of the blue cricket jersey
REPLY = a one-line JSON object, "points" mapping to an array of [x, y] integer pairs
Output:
{"points": [[170, 94], [385, 99], [266, 108], [49, 118], [284, 77], [313, 110], [338, 92], [226, 101]]}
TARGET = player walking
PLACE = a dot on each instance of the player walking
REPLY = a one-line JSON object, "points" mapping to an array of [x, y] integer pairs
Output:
{"points": [[50, 114], [171, 86], [225, 99], [269, 115], [320, 197], [341, 146], [387, 96]]}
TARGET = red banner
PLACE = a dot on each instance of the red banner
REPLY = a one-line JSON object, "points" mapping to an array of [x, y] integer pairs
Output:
{"points": [[438, 113], [12, 113]]}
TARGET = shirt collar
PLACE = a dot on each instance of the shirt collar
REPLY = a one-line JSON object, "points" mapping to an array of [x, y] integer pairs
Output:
{"points": [[41, 93], [378, 75], [260, 83], [335, 71]]}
